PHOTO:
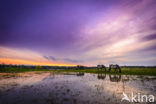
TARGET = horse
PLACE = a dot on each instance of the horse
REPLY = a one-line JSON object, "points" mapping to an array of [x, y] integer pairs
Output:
{"points": [[115, 67], [101, 67]]}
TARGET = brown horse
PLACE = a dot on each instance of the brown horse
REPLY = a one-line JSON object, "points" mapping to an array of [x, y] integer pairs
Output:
{"points": [[115, 67], [101, 67]]}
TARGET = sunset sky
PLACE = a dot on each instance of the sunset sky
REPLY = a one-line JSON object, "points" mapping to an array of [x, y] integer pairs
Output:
{"points": [[72, 32]]}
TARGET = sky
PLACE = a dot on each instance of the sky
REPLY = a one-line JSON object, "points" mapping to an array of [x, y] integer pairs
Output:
{"points": [[78, 32]]}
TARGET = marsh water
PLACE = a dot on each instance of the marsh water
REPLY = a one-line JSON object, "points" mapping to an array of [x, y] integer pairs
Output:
{"points": [[71, 88]]}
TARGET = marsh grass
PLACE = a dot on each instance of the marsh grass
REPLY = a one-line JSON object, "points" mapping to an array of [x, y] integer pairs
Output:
{"points": [[125, 71], [14, 70]]}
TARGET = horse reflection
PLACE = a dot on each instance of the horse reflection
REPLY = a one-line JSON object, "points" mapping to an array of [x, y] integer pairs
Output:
{"points": [[115, 78], [80, 74], [101, 76]]}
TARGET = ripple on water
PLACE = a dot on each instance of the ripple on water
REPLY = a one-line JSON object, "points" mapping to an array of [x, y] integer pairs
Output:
{"points": [[71, 88]]}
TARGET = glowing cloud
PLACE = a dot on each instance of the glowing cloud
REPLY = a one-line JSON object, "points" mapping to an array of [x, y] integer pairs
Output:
{"points": [[83, 32]]}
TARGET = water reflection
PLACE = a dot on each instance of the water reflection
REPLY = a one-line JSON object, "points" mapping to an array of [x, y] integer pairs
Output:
{"points": [[71, 88], [101, 76], [80, 74], [115, 78], [112, 77]]}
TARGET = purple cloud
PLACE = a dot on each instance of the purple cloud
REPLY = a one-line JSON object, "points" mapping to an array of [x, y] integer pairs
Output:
{"points": [[85, 31]]}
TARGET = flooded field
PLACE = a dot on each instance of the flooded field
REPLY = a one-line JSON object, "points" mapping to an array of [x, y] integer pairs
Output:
{"points": [[72, 88]]}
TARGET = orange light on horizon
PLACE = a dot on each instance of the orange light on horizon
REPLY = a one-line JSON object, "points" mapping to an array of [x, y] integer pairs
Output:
{"points": [[25, 62]]}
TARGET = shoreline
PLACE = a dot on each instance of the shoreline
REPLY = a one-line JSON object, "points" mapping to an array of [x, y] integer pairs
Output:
{"points": [[125, 71]]}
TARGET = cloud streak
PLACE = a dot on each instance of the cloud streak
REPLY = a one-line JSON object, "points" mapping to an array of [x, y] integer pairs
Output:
{"points": [[62, 59]]}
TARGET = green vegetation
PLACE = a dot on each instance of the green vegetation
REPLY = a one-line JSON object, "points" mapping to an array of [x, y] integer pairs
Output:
{"points": [[15, 70], [125, 71]]}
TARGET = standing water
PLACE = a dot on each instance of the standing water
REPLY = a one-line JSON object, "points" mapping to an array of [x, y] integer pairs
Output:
{"points": [[73, 88]]}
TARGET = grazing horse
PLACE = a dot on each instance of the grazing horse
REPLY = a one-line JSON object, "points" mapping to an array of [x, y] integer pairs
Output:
{"points": [[115, 67], [100, 67]]}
